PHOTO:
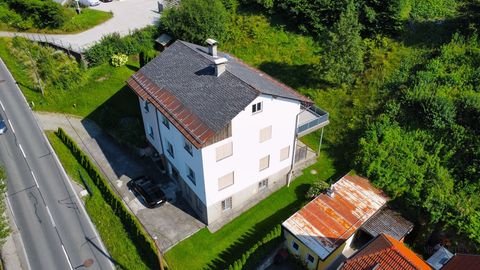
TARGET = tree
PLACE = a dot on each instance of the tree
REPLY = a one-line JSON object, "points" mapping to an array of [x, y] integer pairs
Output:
{"points": [[343, 56], [4, 227], [197, 20]]}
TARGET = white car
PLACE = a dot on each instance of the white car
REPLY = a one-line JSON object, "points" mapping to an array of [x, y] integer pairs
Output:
{"points": [[3, 126], [89, 3]]}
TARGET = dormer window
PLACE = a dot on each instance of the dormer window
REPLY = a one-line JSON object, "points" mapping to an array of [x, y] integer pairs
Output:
{"points": [[257, 107]]}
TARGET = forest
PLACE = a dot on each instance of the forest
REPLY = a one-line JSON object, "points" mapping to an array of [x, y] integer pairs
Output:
{"points": [[401, 80]]}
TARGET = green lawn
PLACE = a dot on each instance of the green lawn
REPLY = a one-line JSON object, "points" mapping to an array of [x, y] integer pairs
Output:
{"points": [[77, 23], [109, 226], [217, 250]]}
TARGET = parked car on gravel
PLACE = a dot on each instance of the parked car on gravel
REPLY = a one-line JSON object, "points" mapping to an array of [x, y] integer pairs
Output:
{"points": [[150, 192]]}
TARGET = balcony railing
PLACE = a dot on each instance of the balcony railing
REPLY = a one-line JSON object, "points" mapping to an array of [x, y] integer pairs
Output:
{"points": [[310, 120]]}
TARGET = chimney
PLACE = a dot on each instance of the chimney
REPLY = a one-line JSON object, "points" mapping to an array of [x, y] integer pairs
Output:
{"points": [[220, 66], [331, 191], [212, 47]]}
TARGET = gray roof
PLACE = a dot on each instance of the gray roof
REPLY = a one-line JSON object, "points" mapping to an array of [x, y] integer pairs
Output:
{"points": [[388, 222], [187, 71], [440, 258]]}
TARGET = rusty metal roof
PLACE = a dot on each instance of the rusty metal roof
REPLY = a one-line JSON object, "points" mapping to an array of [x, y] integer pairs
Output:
{"points": [[388, 222], [385, 253], [327, 221], [463, 262]]}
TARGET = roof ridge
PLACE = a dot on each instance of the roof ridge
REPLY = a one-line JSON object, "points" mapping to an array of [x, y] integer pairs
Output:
{"points": [[397, 249]]}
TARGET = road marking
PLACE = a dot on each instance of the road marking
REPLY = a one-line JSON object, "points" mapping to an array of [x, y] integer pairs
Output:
{"points": [[66, 256], [51, 217], [3, 108], [21, 149], [35, 179], [11, 126]]}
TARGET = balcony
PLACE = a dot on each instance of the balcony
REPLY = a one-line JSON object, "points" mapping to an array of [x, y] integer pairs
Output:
{"points": [[310, 120]]}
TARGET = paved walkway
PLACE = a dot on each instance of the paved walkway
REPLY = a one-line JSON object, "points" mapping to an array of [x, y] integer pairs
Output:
{"points": [[169, 223], [128, 15]]}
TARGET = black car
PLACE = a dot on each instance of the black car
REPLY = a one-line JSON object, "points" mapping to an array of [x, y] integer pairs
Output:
{"points": [[150, 192]]}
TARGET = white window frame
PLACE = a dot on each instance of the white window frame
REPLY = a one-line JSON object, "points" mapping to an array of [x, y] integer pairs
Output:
{"points": [[165, 121], [263, 184], [217, 158], [260, 163], [227, 204], [265, 134], [191, 175], [232, 174], [307, 260], [145, 106], [293, 245], [150, 132], [188, 147], [288, 153], [257, 107], [170, 150]]}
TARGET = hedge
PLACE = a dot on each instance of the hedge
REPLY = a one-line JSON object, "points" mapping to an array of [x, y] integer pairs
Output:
{"points": [[253, 256], [139, 236]]}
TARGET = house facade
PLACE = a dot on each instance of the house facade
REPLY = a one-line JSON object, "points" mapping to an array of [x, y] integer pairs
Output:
{"points": [[322, 233], [227, 132]]}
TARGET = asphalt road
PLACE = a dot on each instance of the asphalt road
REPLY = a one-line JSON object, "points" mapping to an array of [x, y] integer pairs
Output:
{"points": [[54, 227]]}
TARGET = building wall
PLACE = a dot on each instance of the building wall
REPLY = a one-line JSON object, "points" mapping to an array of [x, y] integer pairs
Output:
{"points": [[244, 162], [248, 150], [303, 252], [150, 120]]}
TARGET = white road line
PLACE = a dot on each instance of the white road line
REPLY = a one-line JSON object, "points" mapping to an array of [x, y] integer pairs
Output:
{"points": [[35, 179], [51, 217], [1, 104], [68, 259], [21, 149], [11, 126]]}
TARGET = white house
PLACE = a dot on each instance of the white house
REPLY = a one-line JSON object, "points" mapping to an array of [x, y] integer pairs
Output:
{"points": [[227, 131]]}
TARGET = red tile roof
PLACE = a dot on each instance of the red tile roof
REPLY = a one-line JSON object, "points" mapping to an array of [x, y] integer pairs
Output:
{"points": [[463, 262], [385, 253], [327, 221]]}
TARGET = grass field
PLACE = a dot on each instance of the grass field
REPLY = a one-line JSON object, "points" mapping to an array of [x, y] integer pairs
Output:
{"points": [[89, 18], [109, 226]]}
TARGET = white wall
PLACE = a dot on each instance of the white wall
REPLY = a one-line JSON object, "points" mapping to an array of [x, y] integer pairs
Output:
{"points": [[149, 119], [247, 150], [182, 158]]}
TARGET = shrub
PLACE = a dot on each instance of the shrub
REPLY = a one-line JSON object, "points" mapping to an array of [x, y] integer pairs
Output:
{"points": [[316, 188], [197, 20], [44, 14], [119, 60], [135, 230], [140, 40]]}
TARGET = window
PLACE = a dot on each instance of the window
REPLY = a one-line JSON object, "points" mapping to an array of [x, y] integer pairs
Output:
{"points": [[227, 204], [224, 151], [264, 163], [225, 181], [295, 245], [188, 147], [150, 132], [191, 175], [145, 105], [310, 258], [265, 134], [284, 153], [165, 121], [257, 107], [170, 150], [263, 184]]}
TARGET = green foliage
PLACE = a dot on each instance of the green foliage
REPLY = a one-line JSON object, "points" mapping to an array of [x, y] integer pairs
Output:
{"points": [[316, 188], [4, 225], [137, 234], [56, 69], [255, 254], [118, 60], [146, 56], [343, 56], [136, 42], [197, 20], [38, 13], [432, 9]]}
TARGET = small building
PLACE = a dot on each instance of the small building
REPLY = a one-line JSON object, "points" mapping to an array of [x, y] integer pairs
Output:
{"points": [[440, 258], [389, 222], [385, 253], [228, 133], [463, 262], [321, 233]]}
